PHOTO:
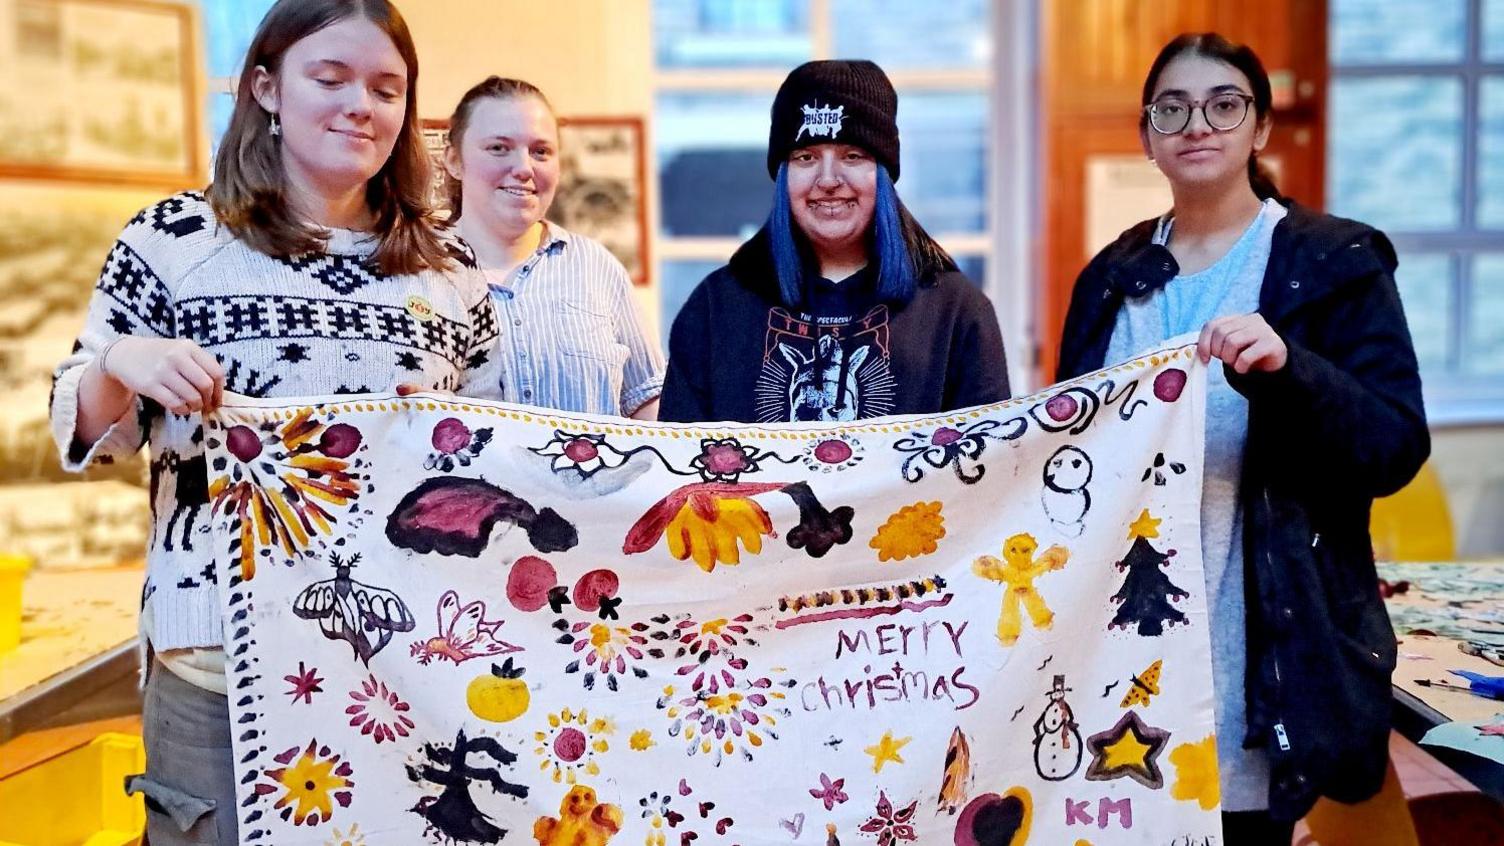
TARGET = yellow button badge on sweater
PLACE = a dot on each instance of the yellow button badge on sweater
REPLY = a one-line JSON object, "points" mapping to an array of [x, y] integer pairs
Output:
{"points": [[420, 308]]}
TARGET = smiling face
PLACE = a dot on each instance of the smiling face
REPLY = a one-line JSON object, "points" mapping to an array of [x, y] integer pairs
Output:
{"points": [[341, 98], [1200, 156], [1069, 469], [507, 161], [832, 194]]}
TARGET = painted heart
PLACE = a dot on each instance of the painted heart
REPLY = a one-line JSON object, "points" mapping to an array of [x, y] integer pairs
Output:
{"points": [[683, 787], [705, 809], [993, 820], [688, 837], [722, 824], [673, 818], [795, 825]]}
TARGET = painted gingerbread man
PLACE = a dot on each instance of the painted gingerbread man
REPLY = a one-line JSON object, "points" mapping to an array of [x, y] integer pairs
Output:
{"points": [[1017, 570]]}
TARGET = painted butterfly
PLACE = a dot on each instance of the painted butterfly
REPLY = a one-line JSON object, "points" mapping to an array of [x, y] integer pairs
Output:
{"points": [[464, 633], [354, 611]]}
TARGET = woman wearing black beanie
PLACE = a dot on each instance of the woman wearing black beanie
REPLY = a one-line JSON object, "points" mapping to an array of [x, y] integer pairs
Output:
{"points": [[842, 307]]}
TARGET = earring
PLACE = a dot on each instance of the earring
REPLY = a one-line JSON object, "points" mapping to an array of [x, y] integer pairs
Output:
{"points": [[275, 130]]}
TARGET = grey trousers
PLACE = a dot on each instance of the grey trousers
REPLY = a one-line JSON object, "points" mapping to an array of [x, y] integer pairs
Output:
{"points": [[189, 783]]}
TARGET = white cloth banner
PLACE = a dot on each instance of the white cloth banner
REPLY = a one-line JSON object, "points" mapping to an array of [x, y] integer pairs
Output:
{"points": [[452, 621]]}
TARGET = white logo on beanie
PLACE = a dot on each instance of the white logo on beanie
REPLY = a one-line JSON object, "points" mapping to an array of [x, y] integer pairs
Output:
{"points": [[821, 121]]}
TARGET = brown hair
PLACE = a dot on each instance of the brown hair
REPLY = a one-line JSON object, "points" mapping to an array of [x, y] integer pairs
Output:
{"points": [[249, 190], [500, 88]]}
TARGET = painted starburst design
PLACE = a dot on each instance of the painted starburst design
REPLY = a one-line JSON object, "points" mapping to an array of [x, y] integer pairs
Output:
{"points": [[709, 645], [305, 683], [570, 744], [379, 712], [891, 825], [606, 652], [284, 485], [311, 781], [727, 715]]}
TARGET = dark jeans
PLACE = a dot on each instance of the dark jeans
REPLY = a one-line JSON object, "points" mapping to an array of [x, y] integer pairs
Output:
{"points": [[1254, 828]]}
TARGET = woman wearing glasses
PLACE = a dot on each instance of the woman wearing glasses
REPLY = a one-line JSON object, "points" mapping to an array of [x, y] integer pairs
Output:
{"points": [[1314, 411]]}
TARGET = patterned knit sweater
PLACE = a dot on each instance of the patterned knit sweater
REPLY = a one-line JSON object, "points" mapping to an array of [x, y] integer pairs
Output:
{"points": [[316, 324]]}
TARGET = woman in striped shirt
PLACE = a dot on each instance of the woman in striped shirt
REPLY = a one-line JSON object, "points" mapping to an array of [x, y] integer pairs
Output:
{"points": [[571, 338]]}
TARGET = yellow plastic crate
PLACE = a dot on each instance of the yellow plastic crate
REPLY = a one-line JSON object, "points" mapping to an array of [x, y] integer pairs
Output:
{"points": [[77, 798]]}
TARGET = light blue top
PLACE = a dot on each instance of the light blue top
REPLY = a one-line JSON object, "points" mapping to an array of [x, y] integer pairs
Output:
{"points": [[1185, 304], [571, 338]]}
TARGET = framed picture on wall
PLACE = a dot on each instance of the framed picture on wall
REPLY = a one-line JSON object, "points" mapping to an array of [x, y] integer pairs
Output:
{"points": [[102, 91], [602, 183]]}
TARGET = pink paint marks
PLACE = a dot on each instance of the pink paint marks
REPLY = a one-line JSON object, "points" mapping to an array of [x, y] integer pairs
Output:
{"points": [[450, 435], [569, 745], [339, 440], [1169, 384], [243, 442], [529, 583], [1062, 407], [863, 613], [832, 451], [593, 587], [945, 436], [581, 450]]}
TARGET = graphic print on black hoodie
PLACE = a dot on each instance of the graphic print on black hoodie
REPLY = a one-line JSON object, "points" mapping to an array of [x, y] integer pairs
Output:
{"points": [[825, 369]]}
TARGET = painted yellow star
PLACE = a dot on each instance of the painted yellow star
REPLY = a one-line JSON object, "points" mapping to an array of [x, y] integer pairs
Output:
{"points": [[886, 750], [1144, 527]]}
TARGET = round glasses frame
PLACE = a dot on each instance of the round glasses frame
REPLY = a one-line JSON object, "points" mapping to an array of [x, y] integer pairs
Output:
{"points": [[1164, 125]]}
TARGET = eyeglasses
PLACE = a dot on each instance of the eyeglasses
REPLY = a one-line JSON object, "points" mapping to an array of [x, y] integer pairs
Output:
{"points": [[1224, 112]]}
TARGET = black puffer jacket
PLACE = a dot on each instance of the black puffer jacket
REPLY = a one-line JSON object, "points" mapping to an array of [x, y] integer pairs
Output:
{"points": [[1340, 424]]}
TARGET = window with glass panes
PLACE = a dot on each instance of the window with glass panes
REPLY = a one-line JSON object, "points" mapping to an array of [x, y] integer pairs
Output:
{"points": [[1416, 147], [228, 28], [718, 65]]}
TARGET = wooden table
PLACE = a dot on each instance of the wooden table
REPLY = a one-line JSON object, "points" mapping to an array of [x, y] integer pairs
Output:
{"points": [[77, 659], [1447, 604]]}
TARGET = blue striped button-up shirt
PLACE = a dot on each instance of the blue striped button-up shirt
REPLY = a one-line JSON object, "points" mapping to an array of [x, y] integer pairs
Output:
{"points": [[571, 338]]}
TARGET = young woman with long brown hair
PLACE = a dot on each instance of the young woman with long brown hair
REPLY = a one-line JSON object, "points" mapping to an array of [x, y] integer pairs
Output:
{"points": [[309, 266]]}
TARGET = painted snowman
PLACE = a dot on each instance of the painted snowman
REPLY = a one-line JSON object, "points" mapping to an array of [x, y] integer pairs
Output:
{"points": [[1066, 499], [1057, 739]]}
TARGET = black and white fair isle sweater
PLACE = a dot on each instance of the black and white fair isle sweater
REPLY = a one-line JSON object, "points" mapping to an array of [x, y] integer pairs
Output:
{"points": [[317, 324]]}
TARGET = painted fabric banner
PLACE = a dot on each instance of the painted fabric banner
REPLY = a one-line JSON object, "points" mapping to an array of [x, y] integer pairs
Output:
{"points": [[464, 622]]}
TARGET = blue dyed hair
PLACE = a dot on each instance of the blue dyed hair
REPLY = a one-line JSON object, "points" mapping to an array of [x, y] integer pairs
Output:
{"points": [[887, 244]]}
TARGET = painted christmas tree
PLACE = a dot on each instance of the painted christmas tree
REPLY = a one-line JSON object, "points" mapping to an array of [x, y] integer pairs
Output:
{"points": [[1147, 594]]}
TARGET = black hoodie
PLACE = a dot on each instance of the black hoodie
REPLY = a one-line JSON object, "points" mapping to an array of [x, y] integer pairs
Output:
{"points": [[737, 353]]}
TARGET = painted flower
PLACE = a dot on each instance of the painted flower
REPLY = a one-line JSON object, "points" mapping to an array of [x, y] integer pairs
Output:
{"points": [[959, 449], [830, 792], [379, 712], [583, 453], [911, 531], [305, 683], [570, 743], [641, 740], [706, 647], [1196, 778], [454, 444], [708, 521], [724, 460], [605, 651], [889, 825], [279, 483], [311, 780], [727, 715], [833, 453]]}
